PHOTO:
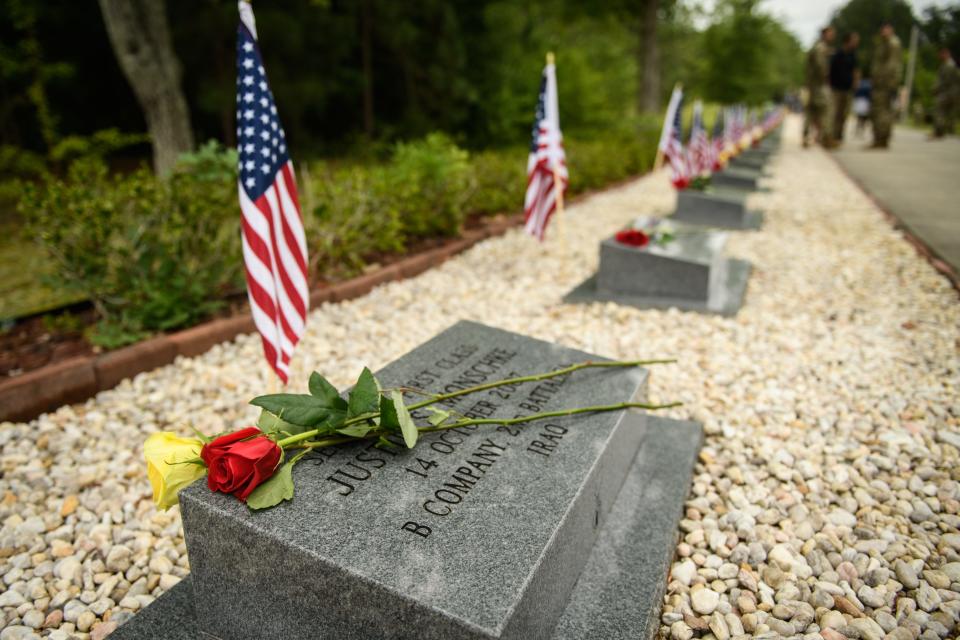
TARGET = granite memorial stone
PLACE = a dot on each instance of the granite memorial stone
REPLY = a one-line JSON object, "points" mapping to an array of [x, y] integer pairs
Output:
{"points": [[736, 178], [751, 163], [476, 533], [619, 593], [690, 272], [716, 207]]}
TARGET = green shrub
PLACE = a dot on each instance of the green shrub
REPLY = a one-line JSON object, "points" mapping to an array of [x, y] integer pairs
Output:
{"points": [[596, 161], [428, 183], [150, 254], [100, 144], [363, 210], [352, 219], [501, 180]]}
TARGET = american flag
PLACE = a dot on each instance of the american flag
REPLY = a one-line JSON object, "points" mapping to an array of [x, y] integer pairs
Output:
{"points": [[547, 160], [717, 143], [274, 243], [700, 151], [772, 119], [671, 144]]}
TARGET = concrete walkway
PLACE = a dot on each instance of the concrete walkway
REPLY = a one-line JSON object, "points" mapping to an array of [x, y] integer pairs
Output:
{"points": [[918, 181]]}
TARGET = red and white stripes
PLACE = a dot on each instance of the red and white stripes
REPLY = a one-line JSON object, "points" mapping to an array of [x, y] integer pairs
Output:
{"points": [[275, 256]]}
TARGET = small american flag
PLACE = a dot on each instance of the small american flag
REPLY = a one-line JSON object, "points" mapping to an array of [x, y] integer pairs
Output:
{"points": [[700, 156], [547, 160], [772, 119], [717, 144], [274, 243], [671, 141]]}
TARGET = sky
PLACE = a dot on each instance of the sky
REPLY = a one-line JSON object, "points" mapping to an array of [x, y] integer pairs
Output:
{"points": [[805, 18]]}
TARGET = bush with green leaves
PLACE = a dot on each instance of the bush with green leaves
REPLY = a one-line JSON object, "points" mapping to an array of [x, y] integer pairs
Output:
{"points": [[361, 210], [429, 186], [500, 178], [428, 183], [150, 254], [352, 219]]}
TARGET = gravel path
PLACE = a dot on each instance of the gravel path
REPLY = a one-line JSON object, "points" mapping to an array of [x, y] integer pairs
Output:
{"points": [[826, 502]]}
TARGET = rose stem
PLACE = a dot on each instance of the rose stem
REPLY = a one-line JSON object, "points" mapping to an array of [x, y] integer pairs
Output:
{"points": [[306, 435], [328, 442]]}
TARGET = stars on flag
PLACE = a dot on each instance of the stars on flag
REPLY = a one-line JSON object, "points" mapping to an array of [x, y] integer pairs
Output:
{"points": [[261, 145]]}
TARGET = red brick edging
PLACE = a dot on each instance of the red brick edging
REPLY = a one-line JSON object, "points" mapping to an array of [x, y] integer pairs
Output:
{"points": [[28, 395]]}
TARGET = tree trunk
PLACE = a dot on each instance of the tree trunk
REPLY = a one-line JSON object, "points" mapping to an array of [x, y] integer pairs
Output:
{"points": [[140, 37], [649, 58], [366, 53]]}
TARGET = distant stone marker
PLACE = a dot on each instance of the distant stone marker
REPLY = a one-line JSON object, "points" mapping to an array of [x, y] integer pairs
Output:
{"points": [[736, 178], [719, 208], [476, 533], [689, 273]]}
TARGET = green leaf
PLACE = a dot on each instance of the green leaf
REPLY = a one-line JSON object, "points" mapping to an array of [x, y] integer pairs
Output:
{"points": [[407, 427], [270, 423], [356, 430], [365, 396], [275, 489], [388, 414], [303, 410], [322, 389], [199, 434], [439, 416]]}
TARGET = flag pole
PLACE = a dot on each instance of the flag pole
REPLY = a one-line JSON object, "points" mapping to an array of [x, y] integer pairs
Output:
{"points": [[557, 181], [658, 161]]}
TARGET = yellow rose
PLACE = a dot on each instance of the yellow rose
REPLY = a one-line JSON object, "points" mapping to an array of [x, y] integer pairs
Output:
{"points": [[161, 451]]}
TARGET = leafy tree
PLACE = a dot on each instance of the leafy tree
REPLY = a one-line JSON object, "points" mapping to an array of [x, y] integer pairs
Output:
{"points": [[748, 56], [941, 28], [866, 17]]}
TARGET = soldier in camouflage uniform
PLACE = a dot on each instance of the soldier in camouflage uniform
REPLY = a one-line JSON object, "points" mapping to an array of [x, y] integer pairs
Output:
{"points": [[818, 91], [885, 73], [947, 92]]}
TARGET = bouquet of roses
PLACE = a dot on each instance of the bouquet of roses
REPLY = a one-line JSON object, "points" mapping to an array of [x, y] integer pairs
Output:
{"points": [[255, 464]]}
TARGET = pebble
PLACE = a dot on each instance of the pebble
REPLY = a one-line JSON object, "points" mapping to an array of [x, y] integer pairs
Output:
{"points": [[684, 572], [18, 632], [927, 597], [906, 574], [680, 631], [103, 629], [869, 630], [86, 620], [704, 601], [718, 625], [871, 597]]}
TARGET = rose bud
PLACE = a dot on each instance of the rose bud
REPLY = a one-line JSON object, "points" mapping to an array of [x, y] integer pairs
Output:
{"points": [[167, 454], [238, 462], [633, 238]]}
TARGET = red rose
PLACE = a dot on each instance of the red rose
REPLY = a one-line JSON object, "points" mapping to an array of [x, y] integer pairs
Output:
{"points": [[238, 462], [633, 238]]}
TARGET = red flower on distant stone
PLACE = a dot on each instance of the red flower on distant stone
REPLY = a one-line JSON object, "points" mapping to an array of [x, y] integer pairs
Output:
{"points": [[240, 461], [633, 238]]}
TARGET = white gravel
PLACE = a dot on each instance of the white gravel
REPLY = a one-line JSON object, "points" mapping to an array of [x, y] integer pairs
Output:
{"points": [[826, 500]]}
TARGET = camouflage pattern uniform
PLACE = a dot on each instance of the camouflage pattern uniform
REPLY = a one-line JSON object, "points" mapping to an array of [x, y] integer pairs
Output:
{"points": [[885, 72], [947, 92], [818, 99]]}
